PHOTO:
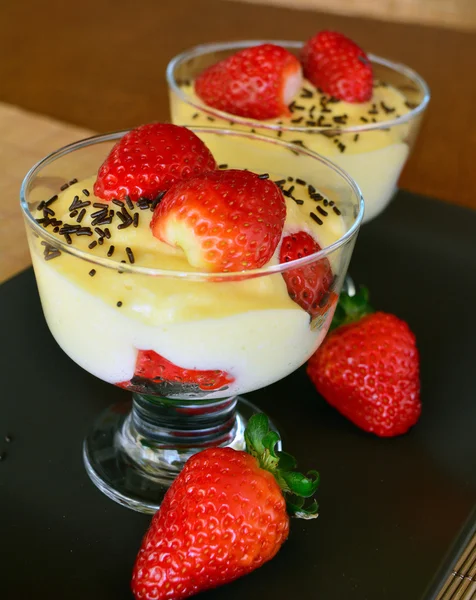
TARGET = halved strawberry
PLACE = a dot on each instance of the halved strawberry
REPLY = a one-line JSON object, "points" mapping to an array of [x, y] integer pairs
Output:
{"points": [[308, 286], [153, 371], [228, 220], [149, 160], [336, 65], [258, 82]]}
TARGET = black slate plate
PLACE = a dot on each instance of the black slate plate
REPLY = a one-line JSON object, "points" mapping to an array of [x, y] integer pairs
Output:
{"points": [[390, 509]]}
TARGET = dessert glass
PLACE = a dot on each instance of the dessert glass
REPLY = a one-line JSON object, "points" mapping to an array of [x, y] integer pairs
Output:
{"points": [[373, 154], [136, 448]]}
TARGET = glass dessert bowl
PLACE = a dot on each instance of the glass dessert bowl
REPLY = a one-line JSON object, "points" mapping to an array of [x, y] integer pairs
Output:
{"points": [[371, 141], [186, 343]]}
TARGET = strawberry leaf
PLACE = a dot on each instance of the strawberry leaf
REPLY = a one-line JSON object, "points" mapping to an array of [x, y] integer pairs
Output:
{"points": [[300, 485], [287, 462], [351, 308], [261, 443]]}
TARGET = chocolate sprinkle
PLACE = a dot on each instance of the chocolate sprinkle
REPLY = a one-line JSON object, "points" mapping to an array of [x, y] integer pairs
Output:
{"points": [[101, 241], [105, 221], [124, 225], [108, 233], [263, 176], [136, 219], [51, 200], [323, 212], [110, 252], [158, 198], [315, 218], [73, 213], [64, 187], [130, 255], [195, 116], [99, 213], [386, 108], [92, 245], [41, 205], [300, 181], [67, 237], [86, 192], [92, 272], [73, 181], [84, 231], [129, 203], [307, 93], [100, 205], [356, 137], [297, 201], [223, 166], [119, 304], [82, 204], [81, 215], [118, 203], [336, 210]]}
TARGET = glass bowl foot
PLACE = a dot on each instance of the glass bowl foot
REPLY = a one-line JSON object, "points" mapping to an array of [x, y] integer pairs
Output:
{"points": [[136, 448]]}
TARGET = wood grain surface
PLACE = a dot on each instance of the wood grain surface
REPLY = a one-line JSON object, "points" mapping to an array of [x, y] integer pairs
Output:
{"points": [[459, 14], [99, 65]]}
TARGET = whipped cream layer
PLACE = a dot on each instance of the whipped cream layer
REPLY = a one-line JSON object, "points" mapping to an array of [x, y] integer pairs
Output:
{"points": [[101, 316], [374, 158]]}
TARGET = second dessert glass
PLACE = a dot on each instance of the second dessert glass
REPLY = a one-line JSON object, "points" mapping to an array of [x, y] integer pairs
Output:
{"points": [[374, 154], [242, 323]]}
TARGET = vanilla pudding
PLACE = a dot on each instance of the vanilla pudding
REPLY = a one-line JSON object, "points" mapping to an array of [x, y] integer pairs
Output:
{"points": [[370, 140], [249, 328]]}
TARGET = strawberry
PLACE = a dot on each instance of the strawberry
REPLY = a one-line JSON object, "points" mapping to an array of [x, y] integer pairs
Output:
{"points": [[224, 516], [153, 371], [223, 220], [308, 286], [150, 159], [257, 82], [336, 65], [368, 369]]}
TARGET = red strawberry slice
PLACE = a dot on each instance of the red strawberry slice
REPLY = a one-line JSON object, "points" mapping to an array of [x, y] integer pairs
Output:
{"points": [[153, 368], [258, 82], [308, 286], [336, 65], [149, 160], [228, 220]]}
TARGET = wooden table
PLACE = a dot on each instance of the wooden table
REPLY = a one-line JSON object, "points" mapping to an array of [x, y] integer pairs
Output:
{"points": [[99, 64]]}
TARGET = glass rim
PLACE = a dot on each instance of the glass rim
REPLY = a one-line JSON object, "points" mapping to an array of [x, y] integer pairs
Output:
{"points": [[237, 45], [188, 275]]}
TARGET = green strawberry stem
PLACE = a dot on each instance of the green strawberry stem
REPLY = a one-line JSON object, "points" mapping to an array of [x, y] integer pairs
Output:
{"points": [[351, 308], [261, 443]]}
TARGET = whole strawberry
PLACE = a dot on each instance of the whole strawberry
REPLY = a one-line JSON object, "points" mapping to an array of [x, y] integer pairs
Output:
{"points": [[336, 65], [257, 82], [368, 369], [228, 220], [223, 517], [149, 160]]}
